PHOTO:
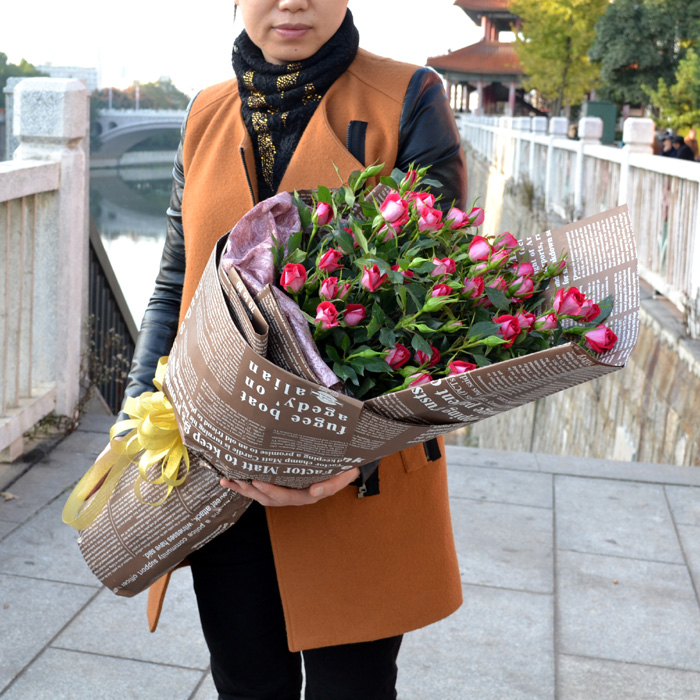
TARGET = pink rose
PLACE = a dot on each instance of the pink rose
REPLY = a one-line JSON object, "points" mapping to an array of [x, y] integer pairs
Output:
{"points": [[458, 218], [460, 367], [441, 290], [329, 288], [430, 219], [590, 310], [323, 214], [418, 379], [505, 241], [473, 287], [354, 314], [398, 357], [567, 302], [498, 259], [525, 319], [343, 290], [510, 328], [421, 200], [389, 232], [329, 260], [476, 216], [421, 358], [601, 338], [523, 269], [326, 315], [406, 273], [522, 287], [394, 209], [293, 277], [409, 179], [443, 267], [546, 323], [499, 283], [556, 268], [372, 279], [479, 249]]}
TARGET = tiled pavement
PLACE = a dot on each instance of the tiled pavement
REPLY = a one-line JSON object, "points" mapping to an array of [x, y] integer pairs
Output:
{"points": [[580, 583]]}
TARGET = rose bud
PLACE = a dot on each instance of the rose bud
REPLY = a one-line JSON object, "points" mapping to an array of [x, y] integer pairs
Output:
{"points": [[460, 367], [480, 267], [421, 200], [405, 273], [546, 323], [293, 277], [394, 209], [601, 338], [524, 269], [452, 326], [555, 268], [389, 232], [326, 315], [474, 287], [457, 217], [343, 290], [329, 288], [418, 379], [498, 259], [590, 310], [479, 249], [441, 290], [354, 314], [410, 179], [323, 214], [526, 320], [421, 358], [443, 267], [522, 288], [430, 219], [398, 357], [329, 260], [476, 216], [505, 241], [372, 279], [567, 302], [510, 328], [499, 283]]}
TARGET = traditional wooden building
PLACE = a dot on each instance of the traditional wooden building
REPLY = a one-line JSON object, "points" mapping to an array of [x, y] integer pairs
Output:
{"points": [[490, 67]]}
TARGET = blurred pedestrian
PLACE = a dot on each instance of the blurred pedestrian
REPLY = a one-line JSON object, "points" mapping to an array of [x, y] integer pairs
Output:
{"points": [[683, 151], [667, 147]]}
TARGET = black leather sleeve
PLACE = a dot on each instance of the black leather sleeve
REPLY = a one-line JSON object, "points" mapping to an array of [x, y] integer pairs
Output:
{"points": [[160, 320], [428, 135]]}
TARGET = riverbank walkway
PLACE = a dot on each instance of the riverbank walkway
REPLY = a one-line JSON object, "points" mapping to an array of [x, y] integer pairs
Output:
{"points": [[580, 583]]}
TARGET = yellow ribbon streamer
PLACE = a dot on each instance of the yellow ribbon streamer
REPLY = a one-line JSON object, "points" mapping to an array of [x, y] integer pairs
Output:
{"points": [[153, 437]]}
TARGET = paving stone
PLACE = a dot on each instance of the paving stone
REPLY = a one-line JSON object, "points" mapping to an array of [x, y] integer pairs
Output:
{"points": [[96, 423], [501, 485], [690, 539], [650, 616], [685, 504], [506, 546], [207, 691], [497, 646], [6, 528], [70, 675], [123, 629], [497, 459], [616, 518], [31, 614], [583, 679], [45, 548]]}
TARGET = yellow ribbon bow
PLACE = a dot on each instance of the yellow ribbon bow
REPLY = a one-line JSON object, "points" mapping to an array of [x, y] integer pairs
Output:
{"points": [[153, 438]]}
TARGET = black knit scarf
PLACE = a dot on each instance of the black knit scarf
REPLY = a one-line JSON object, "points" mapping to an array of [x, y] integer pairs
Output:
{"points": [[279, 100]]}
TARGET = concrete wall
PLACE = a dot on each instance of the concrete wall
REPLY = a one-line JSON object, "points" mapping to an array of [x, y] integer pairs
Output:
{"points": [[648, 412]]}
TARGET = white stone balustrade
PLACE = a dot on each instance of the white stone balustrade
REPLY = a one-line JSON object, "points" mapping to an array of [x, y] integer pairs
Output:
{"points": [[578, 178], [43, 280]]}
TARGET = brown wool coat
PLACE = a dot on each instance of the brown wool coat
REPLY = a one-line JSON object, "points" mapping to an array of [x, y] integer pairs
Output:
{"points": [[349, 569]]}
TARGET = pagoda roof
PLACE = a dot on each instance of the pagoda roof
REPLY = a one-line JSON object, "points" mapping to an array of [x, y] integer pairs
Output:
{"points": [[485, 58], [497, 10]]}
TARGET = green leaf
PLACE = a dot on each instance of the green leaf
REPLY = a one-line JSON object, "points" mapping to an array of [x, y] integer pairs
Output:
{"points": [[497, 298], [389, 182], [358, 364], [298, 256], [483, 328], [294, 242], [360, 238], [324, 195], [377, 365], [418, 342], [349, 196], [346, 372], [480, 360], [606, 307], [346, 243], [387, 337], [345, 343], [333, 354]]}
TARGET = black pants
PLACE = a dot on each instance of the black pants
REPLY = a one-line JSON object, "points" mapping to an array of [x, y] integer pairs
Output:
{"points": [[241, 614]]}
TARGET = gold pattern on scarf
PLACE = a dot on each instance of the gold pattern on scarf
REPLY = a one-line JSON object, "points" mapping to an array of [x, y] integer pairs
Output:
{"points": [[310, 94], [286, 82], [266, 146], [256, 100]]}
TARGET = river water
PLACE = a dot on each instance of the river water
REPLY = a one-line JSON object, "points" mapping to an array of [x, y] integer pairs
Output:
{"points": [[129, 205]]}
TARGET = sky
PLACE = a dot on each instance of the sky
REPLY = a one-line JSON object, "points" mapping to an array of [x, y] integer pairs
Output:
{"points": [[144, 40]]}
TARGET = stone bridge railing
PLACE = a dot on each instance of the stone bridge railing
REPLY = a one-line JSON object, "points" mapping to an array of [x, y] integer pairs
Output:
{"points": [[44, 238], [577, 178]]}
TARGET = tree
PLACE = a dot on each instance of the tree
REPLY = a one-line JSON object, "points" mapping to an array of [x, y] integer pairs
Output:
{"points": [[23, 69], [552, 46], [639, 42], [679, 104], [161, 94]]}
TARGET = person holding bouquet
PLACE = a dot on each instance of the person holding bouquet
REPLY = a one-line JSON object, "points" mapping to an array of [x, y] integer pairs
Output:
{"points": [[318, 570]]}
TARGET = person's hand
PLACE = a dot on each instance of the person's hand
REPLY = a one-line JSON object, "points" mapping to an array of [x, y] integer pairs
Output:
{"points": [[271, 495]]}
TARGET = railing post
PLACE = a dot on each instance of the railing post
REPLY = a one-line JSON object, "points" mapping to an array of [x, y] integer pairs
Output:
{"points": [[539, 126], [637, 137], [590, 131], [558, 128], [51, 124]]}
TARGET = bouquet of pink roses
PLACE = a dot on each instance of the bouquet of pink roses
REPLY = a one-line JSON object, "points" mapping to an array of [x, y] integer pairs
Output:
{"points": [[400, 294]]}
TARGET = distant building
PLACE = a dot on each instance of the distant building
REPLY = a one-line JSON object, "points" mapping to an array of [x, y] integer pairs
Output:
{"points": [[490, 67], [87, 75]]}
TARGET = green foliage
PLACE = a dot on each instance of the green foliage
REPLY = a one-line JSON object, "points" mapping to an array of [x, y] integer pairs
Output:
{"points": [[23, 69], [679, 103], [553, 46], [639, 42]]}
